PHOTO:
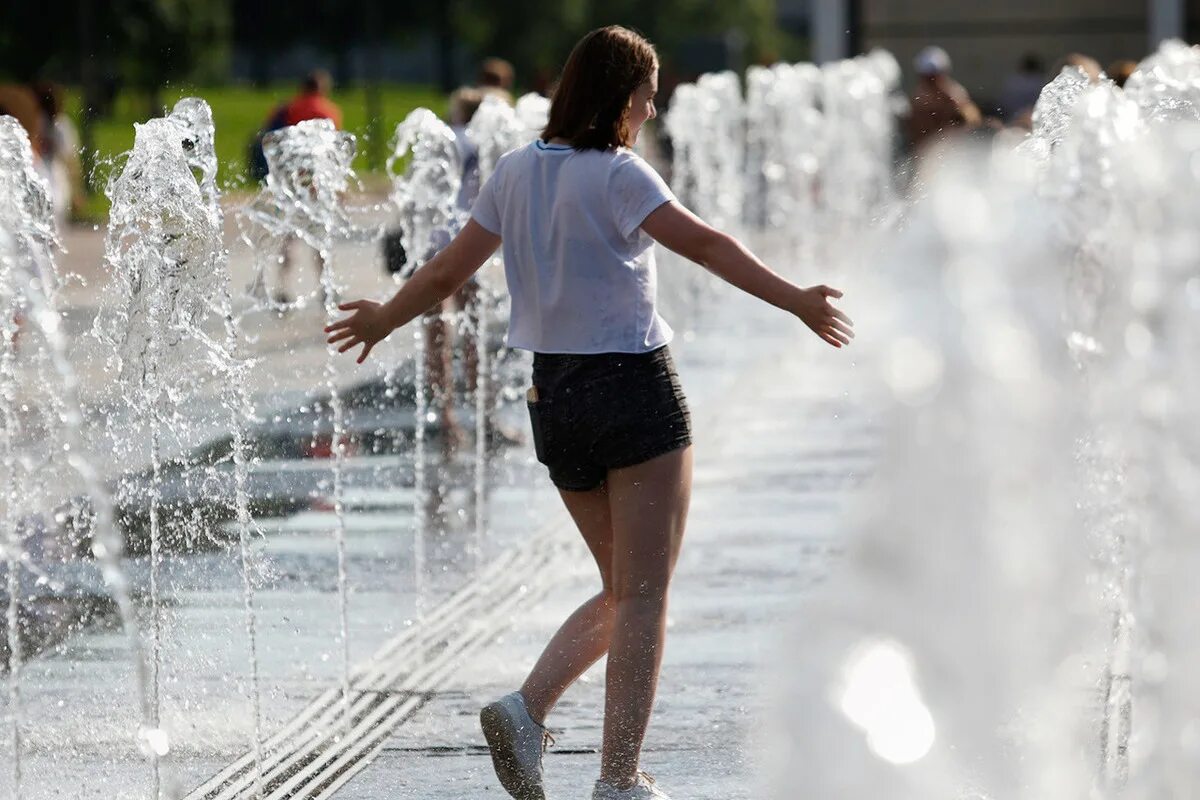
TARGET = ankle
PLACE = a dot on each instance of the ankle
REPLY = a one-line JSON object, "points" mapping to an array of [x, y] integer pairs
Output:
{"points": [[622, 784], [536, 712]]}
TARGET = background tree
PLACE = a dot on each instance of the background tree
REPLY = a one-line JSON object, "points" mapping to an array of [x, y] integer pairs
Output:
{"points": [[536, 36], [167, 41]]}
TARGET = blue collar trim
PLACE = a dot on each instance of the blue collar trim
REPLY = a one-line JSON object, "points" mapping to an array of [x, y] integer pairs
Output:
{"points": [[556, 147]]}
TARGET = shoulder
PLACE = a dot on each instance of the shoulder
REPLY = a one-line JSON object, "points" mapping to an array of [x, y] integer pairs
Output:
{"points": [[513, 162], [623, 161], [626, 165], [513, 159], [956, 91]]}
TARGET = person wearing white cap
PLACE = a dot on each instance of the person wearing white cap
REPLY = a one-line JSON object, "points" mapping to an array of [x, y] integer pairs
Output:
{"points": [[932, 61], [940, 105]]}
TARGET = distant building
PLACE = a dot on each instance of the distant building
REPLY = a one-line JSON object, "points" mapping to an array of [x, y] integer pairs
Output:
{"points": [[986, 40]]}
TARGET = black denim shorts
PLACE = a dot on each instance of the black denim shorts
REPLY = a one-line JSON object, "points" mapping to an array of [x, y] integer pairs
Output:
{"points": [[594, 413]]}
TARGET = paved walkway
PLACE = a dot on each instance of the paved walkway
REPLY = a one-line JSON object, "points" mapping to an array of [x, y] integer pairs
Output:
{"points": [[780, 454], [288, 349]]}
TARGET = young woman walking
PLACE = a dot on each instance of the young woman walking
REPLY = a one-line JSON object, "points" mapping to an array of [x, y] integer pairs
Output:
{"points": [[577, 214]]}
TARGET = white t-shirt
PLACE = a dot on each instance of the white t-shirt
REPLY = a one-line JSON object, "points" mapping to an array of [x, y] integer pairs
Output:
{"points": [[579, 268]]}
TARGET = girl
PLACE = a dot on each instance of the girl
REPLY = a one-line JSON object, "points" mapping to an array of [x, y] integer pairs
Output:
{"points": [[577, 214]]}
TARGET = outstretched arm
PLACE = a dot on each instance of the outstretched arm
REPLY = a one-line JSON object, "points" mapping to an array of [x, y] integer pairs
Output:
{"points": [[678, 229], [436, 280]]}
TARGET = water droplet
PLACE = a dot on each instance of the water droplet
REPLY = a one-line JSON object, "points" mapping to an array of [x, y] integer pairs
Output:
{"points": [[153, 741]]}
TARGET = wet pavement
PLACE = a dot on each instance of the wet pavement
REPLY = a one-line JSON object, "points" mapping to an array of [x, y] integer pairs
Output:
{"points": [[781, 452], [780, 455]]}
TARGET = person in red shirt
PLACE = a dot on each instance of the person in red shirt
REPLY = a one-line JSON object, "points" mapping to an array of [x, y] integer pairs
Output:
{"points": [[313, 101]]}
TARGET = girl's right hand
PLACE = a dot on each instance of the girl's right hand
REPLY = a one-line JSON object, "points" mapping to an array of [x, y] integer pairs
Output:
{"points": [[813, 308], [367, 326]]}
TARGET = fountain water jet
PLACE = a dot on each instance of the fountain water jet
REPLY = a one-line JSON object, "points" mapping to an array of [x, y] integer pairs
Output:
{"points": [[1069, 267], [310, 171], [34, 369], [425, 196], [495, 129], [12, 544], [973, 500], [194, 118], [163, 250]]}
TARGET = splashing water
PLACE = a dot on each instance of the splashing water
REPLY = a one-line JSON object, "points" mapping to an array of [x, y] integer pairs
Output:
{"points": [[425, 197], [1095, 132], [706, 125], [1166, 86], [163, 252], [495, 129], [856, 175], [25, 205], [782, 170], [1042, 321], [533, 111], [47, 478], [1052, 112], [898, 692], [13, 545], [194, 117], [425, 193], [310, 172]]}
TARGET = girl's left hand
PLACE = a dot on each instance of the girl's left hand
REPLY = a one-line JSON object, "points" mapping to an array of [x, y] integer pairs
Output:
{"points": [[366, 326], [814, 310]]}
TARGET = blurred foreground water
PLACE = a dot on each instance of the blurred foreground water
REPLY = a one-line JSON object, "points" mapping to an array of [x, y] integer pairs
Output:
{"points": [[1012, 618]]}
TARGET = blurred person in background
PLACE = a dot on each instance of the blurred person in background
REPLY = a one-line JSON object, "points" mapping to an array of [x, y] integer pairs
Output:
{"points": [[439, 330], [1021, 90], [1121, 71], [941, 107], [1090, 66], [59, 150], [497, 74], [19, 102], [311, 102]]}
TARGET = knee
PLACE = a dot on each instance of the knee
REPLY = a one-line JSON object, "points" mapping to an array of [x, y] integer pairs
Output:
{"points": [[607, 596], [645, 591]]}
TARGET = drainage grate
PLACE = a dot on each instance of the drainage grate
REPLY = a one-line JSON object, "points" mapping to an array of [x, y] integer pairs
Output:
{"points": [[331, 740]]}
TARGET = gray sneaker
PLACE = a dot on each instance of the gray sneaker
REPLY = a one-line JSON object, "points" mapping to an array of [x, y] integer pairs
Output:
{"points": [[642, 789], [517, 744]]}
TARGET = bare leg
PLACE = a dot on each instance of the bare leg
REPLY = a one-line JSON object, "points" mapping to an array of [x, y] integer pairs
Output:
{"points": [[584, 637], [467, 300], [285, 269], [319, 263], [439, 369], [649, 504]]}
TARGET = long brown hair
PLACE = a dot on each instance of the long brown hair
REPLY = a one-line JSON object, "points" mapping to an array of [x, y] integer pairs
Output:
{"points": [[590, 108]]}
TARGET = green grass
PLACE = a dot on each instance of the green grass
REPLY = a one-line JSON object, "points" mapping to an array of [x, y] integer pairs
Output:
{"points": [[238, 113]]}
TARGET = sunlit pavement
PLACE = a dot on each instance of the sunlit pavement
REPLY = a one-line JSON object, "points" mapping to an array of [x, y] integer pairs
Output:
{"points": [[781, 450]]}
